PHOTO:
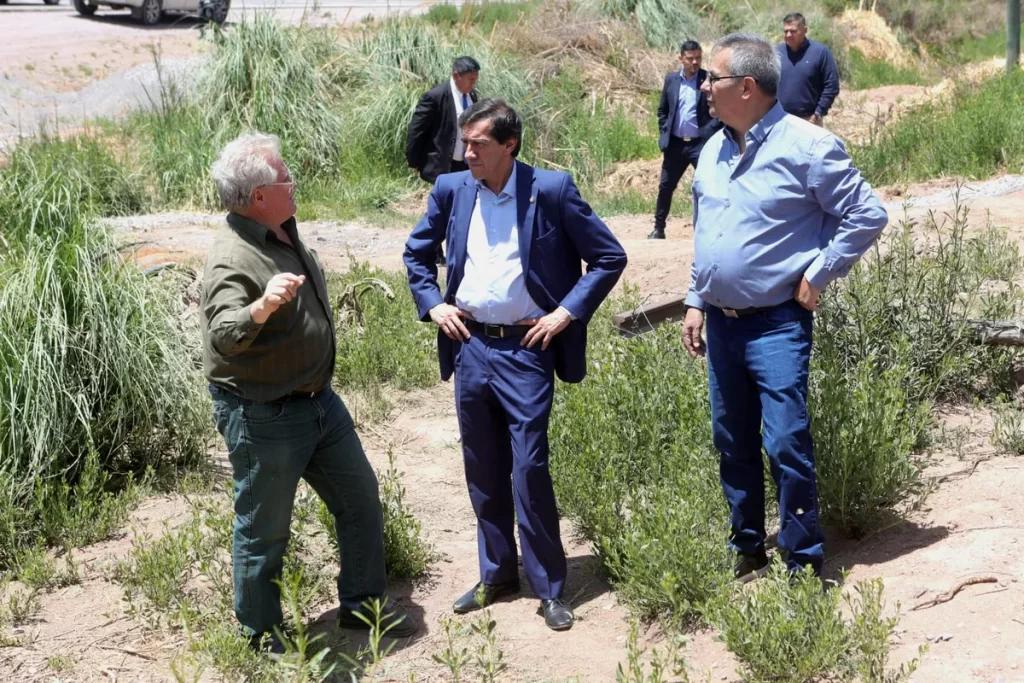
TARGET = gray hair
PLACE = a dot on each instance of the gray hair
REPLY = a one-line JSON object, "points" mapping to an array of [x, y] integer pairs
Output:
{"points": [[243, 166], [752, 55]]}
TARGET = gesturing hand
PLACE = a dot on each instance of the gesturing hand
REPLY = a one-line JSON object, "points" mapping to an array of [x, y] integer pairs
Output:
{"points": [[449, 319], [280, 290], [692, 325], [544, 329], [807, 295]]}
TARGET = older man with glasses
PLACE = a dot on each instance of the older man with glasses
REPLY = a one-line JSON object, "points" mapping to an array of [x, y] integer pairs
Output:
{"points": [[268, 354], [779, 213]]}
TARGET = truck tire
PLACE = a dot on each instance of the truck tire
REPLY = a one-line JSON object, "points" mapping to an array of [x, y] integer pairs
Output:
{"points": [[214, 10], [149, 14], [52, 2], [84, 8]]}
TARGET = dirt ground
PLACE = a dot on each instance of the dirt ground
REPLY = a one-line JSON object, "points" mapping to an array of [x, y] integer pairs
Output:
{"points": [[970, 527]]}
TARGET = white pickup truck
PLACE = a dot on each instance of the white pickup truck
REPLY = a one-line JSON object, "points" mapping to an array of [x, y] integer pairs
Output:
{"points": [[150, 12]]}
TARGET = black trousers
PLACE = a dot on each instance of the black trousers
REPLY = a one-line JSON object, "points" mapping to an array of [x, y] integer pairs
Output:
{"points": [[679, 156]]}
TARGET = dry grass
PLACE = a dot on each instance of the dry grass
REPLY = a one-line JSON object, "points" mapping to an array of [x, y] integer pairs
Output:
{"points": [[868, 33]]}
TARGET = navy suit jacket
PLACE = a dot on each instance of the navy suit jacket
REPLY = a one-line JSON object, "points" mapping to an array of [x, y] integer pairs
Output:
{"points": [[557, 230], [707, 124]]}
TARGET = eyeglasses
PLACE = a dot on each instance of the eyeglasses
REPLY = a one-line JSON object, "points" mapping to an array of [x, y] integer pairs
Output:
{"points": [[290, 182], [714, 79]]}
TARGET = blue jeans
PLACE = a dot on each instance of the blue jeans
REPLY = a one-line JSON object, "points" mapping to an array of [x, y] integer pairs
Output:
{"points": [[757, 373], [271, 446]]}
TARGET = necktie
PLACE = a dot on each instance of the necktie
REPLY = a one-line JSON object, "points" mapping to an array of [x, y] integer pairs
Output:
{"points": [[465, 102]]}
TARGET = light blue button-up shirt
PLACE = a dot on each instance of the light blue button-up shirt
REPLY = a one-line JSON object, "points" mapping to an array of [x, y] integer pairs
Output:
{"points": [[792, 206], [685, 123], [493, 289]]}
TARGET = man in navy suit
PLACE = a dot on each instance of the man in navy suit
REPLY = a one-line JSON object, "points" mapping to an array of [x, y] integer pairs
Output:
{"points": [[514, 313], [685, 125]]}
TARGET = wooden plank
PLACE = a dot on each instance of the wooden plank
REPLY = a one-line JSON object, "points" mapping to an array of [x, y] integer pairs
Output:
{"points": [[999, 332], [648, 316]]}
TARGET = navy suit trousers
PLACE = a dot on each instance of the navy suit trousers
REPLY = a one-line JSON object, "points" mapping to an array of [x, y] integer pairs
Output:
{"points": [[503, 394], [679, 156]]}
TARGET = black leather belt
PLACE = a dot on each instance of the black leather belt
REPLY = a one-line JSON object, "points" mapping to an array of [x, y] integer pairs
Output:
{"points": [[496, 331], [308, 394], [741, 312]]}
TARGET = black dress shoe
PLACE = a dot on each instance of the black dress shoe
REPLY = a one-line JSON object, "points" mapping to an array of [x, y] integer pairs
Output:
{"points": [[483, 595], [394, 621], [657, 234], [557, 614], [751, 567]]}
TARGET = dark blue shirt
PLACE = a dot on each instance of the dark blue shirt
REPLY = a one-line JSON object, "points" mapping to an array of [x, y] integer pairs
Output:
{"points": [[810, 79]]}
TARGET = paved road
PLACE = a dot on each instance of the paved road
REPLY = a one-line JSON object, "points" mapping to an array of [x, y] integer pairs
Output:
{"points": [[349, 12]]}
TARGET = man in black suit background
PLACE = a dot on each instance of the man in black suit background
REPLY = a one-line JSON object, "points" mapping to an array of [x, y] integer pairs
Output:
{"points": [[685, 125], [433, 145]]}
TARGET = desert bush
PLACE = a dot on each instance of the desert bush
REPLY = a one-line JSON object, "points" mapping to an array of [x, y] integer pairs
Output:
{"points": [[975, 133], [786, 629], [641, 483]]}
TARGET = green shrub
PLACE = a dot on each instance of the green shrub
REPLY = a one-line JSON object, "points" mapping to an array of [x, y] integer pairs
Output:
{"points": [[976, 134], [786, 629], [866, 428], [641, 482], [380, 340]]}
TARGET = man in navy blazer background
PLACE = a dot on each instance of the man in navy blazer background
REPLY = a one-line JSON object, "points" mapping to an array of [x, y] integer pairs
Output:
{"points": [[513, 315], [685, 125]]}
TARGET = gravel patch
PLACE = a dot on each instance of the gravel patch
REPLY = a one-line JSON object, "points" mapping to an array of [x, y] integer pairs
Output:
{"points": [[26, 109], [969, 191]]}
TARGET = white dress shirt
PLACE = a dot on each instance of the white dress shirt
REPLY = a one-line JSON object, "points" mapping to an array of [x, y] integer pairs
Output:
{"points": [[493, 287], [460, 148]]}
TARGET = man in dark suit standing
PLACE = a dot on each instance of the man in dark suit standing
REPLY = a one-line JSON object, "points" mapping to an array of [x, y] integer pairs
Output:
{"points": [[514, 314], [685, 125], [433, 145]]}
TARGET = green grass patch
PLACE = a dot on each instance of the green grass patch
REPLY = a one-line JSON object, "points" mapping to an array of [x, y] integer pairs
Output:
{"points": [[869, 73], [977, 134]]}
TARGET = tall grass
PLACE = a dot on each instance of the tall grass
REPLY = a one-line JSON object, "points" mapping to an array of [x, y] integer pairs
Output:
{"points": [[977, 133], [92, 361]]}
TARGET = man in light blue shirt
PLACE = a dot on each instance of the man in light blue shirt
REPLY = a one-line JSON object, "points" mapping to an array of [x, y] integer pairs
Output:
{"points": [[779, 213]]}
